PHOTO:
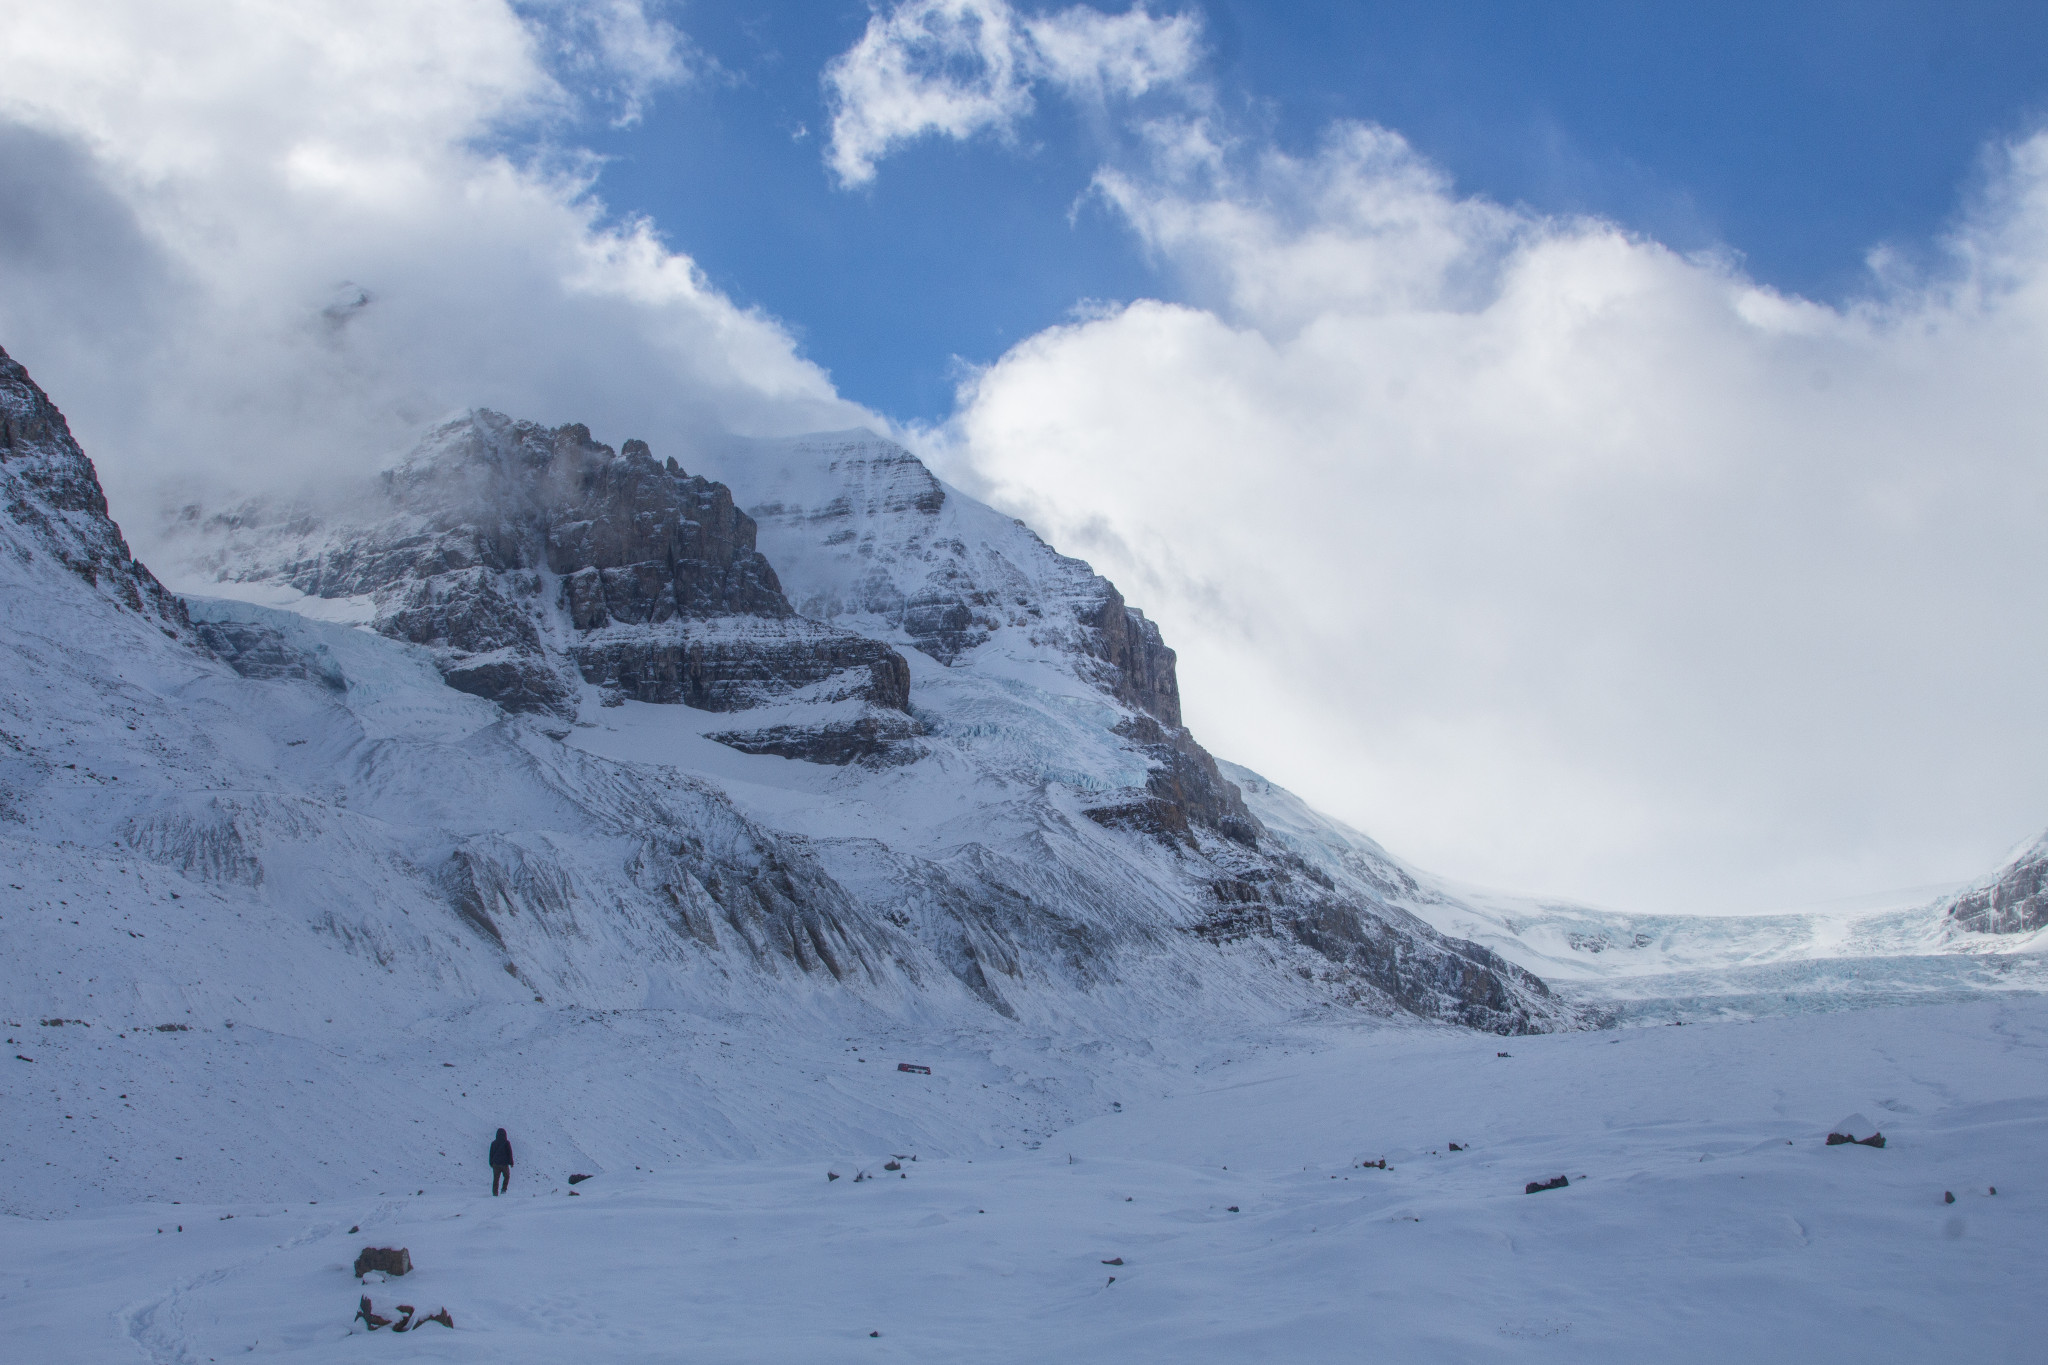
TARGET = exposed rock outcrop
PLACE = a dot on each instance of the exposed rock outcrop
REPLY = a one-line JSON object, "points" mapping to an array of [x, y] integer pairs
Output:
{"points": [[868, 538], [1185, 789], [878, 738], [529, 558], [256, 651], [55, 505], [2013, 900], [1142, 666]]}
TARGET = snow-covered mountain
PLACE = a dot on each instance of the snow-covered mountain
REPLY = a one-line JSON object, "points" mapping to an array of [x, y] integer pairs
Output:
{"points": [[534, 738], [585, 776], [978, 741]]}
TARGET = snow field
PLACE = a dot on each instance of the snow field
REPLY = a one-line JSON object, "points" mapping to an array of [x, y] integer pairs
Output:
{"points": [[1705, 1221]]}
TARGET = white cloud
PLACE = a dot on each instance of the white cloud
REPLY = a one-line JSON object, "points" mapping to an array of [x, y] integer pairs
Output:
{"points": [[616, 50], [1555, 559], [959, 68], [313, 229]]}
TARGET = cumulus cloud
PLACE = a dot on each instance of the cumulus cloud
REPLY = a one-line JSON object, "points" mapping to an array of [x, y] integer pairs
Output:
{"points": [[1552, 557], [959, 68], [616, 50], [246, 242]]}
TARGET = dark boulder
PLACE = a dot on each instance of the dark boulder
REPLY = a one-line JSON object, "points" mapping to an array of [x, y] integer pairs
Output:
{"points": [[390, 1260]]}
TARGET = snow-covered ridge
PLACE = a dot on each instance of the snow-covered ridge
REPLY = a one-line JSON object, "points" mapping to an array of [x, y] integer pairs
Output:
{"points": [[282, 827]]}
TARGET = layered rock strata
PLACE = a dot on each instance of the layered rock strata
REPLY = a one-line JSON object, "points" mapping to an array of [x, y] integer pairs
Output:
{"points": [[530, 558]]}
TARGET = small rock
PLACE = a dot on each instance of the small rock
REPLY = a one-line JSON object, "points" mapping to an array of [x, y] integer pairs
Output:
{"points": [[1115, 1261], [874, 1334], [1457, 1147], [578, 1178], [1948, 1196], [1537, 1186], [831, 1176], [892, 1165], [387, 1260], [1233, 1208]]}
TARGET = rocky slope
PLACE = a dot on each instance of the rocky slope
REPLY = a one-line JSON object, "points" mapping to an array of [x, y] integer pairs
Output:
{"points": [[2011, 900], [54, 508]]}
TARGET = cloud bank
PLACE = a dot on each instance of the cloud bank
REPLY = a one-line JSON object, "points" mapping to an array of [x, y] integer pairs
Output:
{"points": [[1551, 557], [249, 242]]}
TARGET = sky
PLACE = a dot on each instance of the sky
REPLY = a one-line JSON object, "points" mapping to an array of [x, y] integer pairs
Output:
{"points": [[1595, 450]]}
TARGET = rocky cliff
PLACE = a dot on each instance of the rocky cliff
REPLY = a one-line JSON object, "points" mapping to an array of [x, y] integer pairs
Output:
{"points": [[870, 540], [55, 507], [2012, 900], [529, 559]]}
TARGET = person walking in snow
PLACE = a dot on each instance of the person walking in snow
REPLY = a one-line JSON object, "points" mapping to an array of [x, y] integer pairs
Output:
{"points": [[501, 1163]]}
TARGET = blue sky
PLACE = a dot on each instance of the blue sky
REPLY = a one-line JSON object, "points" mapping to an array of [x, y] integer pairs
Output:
{"points": [[1798, 135]]}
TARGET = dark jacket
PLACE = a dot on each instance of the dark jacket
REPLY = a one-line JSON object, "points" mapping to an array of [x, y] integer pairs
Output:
{"points": [[501, 1150]]}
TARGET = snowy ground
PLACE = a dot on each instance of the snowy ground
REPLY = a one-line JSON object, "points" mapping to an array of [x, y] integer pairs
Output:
{"points": [[1705, 1219]]}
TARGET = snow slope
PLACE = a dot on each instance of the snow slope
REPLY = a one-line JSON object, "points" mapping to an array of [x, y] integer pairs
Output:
{"points": [[1705, 1221]]}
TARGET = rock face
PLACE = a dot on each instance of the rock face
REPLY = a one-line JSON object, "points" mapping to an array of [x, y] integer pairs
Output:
{"points": [[257, 651], [2013, 900], [867, 538], [865, 529], [1185, 790], [55, 506], [530, 558]]}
